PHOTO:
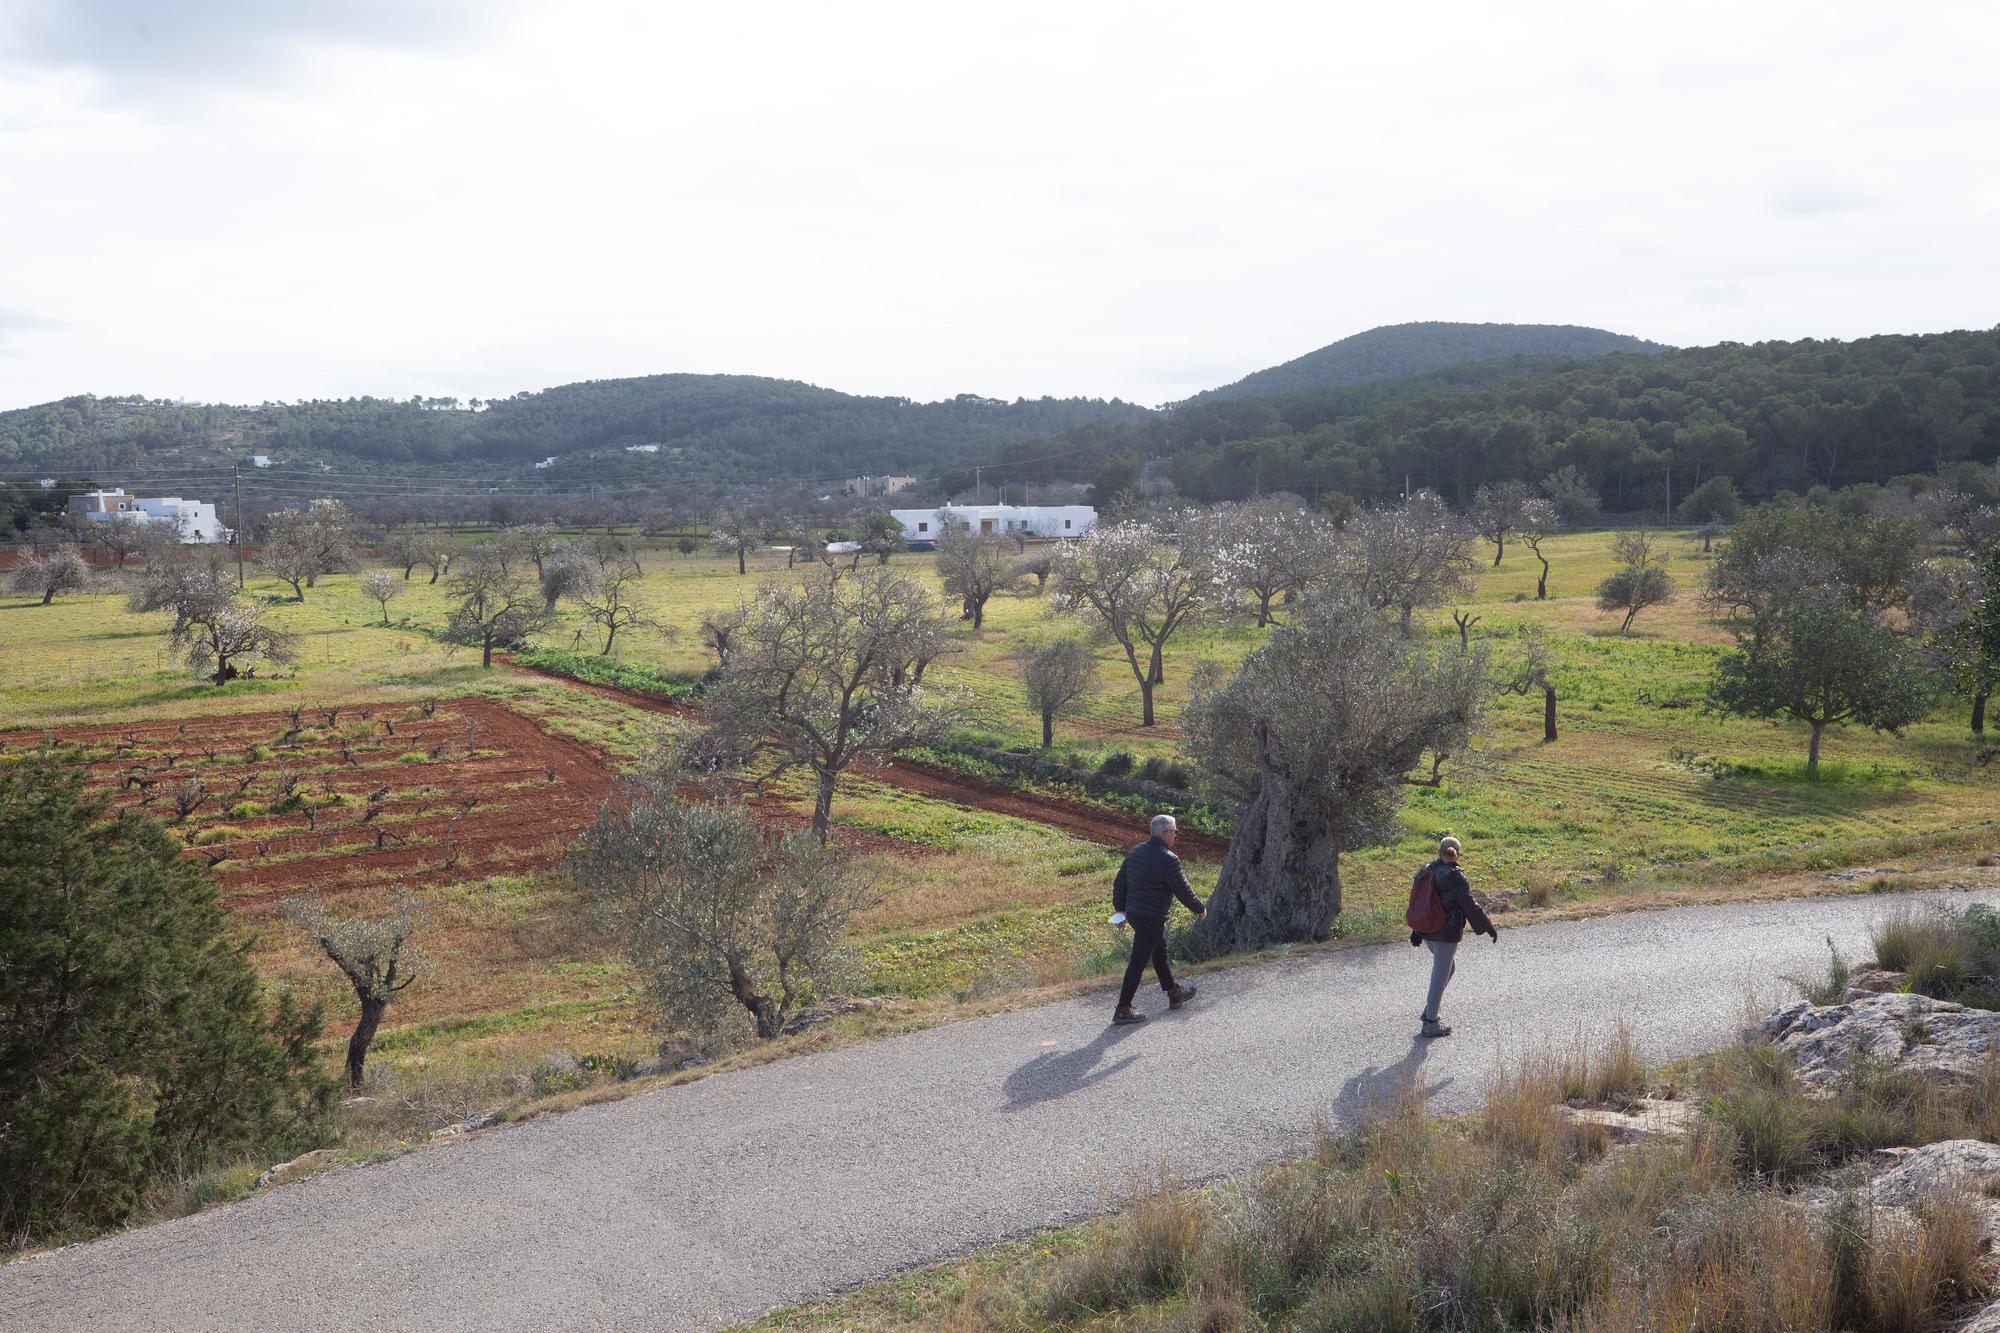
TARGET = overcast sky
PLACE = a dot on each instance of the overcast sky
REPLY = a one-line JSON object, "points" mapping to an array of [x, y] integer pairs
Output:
{"points": [[241, 200]]}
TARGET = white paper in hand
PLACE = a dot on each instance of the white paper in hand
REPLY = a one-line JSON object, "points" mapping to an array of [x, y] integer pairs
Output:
{"points": [[1115, 919]]}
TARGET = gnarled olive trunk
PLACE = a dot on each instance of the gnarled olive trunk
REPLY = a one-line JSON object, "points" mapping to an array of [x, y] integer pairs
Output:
{"points": [[822, 820], [1548, 712], [364, 1033], [1979, 711], [1280, 882]]}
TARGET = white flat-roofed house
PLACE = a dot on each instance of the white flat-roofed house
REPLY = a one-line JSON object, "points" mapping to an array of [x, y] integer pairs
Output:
{"points": [[195, 520], [1052, 521]]}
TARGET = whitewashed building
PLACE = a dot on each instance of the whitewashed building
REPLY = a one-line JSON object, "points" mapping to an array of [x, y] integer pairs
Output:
{"points": [[1058, 521], [195, 520]]}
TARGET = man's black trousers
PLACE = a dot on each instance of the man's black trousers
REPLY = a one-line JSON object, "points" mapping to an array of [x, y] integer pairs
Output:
{"points": [[1149, 944]]}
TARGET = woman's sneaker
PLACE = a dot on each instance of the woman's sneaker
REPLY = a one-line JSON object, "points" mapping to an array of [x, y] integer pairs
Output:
{"points": [[1179, 996], [1432, 1028], [1126, 1015]]}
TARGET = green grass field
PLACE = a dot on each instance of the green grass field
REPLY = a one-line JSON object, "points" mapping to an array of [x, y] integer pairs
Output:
{"points": [[1644, 792]]}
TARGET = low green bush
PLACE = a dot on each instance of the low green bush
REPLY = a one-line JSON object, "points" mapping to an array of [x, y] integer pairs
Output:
{"points": [[595, 670]]}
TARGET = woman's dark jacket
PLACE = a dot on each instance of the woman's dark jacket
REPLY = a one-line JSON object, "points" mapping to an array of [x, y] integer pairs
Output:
{"points": [[1456, 894]]}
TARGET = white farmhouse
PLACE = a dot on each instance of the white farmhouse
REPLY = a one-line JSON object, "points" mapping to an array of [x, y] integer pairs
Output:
{"points": [[1057, 521], [195, 520]]}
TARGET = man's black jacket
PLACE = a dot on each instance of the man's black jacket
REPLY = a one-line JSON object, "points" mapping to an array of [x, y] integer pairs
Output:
{"points": [[1455, 893], [1150, 880]]}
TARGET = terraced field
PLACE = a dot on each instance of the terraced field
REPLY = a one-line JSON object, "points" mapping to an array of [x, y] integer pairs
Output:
{"points": [[342, 797]]}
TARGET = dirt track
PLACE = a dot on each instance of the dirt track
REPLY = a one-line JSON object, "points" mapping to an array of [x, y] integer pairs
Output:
{"points": [[1088, 823]]}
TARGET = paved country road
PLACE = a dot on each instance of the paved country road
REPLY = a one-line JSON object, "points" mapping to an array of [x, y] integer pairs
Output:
{"points": [[696, 1206]]}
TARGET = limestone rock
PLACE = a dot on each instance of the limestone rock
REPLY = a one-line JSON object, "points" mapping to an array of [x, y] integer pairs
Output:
{"points": [[1986, 1321], [480, 1121], [284, 1171], [1910, 1173], [1648, 1117], [1873, 981], [1911, 1032]]}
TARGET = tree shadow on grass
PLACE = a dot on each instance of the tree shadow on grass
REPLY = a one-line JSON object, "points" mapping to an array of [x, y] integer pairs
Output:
{"points": [[1056, 1074]]}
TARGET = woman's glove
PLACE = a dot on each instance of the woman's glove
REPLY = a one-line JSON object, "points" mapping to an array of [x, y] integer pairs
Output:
{"points": [[1415, 939]]}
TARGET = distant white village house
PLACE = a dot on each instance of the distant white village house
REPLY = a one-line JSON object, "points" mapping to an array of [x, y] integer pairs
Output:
{"points": [[1058, 521], [550, 461], [195, 520], [876, 486], [260, 460], [642, 448]]}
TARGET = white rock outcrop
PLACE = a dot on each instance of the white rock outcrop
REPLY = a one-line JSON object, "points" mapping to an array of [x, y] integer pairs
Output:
{"points": [[1910, 1032]]}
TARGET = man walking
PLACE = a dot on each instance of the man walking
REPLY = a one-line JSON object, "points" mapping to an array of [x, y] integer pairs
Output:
{"points": [[1454, 894], [1144, 891]]}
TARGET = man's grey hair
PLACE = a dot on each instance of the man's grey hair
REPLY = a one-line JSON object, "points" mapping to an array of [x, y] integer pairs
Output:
{"points": [[1162, 823]]}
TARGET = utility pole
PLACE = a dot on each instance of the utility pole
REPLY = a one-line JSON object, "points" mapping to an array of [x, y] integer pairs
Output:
{"points": [[978, 487], [236, 470]]}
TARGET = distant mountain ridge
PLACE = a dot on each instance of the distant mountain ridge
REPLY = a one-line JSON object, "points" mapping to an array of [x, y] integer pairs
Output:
{"points": [[1393, 351], [723, 428]]}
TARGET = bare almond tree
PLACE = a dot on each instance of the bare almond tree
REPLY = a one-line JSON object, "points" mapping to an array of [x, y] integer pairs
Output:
{"points": [[381, 586], [1141, 583], [717, 631], [1531, 672], [59, 571], [1402, 558], [609, 605], [495, 609], [1270, 548], [736, 532], [373, 953], [1498, 511], [821, 674], [212, 631], [1538, 522]]}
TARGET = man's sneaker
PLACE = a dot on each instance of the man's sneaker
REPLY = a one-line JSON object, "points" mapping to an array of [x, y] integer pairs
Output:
{"points": [[1127, 1015], [1180, 995], [1435, 1029]]}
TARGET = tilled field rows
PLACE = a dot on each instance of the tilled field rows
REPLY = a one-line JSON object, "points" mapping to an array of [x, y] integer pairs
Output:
{"points": [[342, 798]]}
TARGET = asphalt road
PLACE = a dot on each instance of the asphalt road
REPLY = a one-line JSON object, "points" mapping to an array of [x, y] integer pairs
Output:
{"points": [[696, 1206]]}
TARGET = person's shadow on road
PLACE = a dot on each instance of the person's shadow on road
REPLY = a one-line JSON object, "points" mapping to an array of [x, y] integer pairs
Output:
{"points": [[1054, 1074], [1382, 1086]]}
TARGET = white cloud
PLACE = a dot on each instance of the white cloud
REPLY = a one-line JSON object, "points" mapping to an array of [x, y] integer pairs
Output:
{"points": [[1139, 200]]}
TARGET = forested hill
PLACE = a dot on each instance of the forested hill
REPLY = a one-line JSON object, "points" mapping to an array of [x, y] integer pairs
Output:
{"points": [[715, 427], [1771, 416], [1396, 350]]}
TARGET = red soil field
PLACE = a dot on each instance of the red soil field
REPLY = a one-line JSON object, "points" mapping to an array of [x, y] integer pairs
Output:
{"points": [[383, 793], [1088, 823]]}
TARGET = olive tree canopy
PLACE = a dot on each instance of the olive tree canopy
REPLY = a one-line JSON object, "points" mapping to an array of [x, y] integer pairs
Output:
{"points": [[1315, 735], [1054, 675], [724, 924], [373, 953]]}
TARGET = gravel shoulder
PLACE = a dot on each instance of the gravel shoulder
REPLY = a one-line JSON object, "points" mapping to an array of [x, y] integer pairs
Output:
{"points": [[695, 1206]]}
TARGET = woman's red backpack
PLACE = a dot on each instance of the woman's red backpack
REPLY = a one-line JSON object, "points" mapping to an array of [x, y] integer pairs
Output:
{"points": [[1426, 915]]}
